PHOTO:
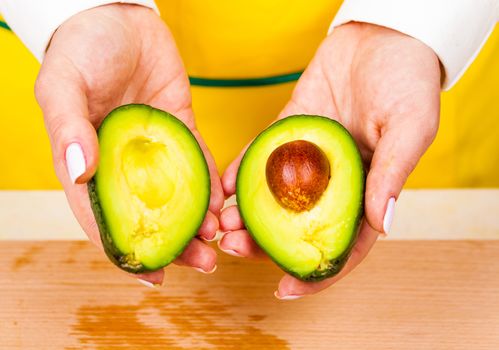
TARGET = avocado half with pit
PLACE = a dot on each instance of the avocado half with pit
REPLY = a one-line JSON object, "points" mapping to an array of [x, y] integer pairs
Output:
{"points": [[151, 189], [300, 192]]}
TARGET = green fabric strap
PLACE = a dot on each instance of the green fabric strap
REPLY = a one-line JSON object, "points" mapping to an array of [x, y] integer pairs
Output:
{"points": [[245, 82], [4, 25], [242, 82]]}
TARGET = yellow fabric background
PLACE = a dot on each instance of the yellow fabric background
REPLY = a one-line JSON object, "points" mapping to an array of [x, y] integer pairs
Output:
{"points": [[227, 39]]}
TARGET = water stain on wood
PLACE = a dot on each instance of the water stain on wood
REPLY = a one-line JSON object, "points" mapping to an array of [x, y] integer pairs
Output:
{"points": [[77, 246], [257, 318], [170, 322], [26, 258], [77, 253], [99, 264], [74, 252]]}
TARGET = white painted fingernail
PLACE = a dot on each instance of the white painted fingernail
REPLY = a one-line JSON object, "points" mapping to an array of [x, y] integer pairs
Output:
{"points": [[229, 251], [218, 235], [75, 161], [147, 283], [286, 297], [205, 272], [388, 219], [209, 239]]}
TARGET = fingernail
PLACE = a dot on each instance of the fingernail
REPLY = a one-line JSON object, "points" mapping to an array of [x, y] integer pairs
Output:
{"points": [[148, 284], [218, 235], [286, 297], [205, 272], [75, 161], [229, 251], [209, 239], [388, 219]]}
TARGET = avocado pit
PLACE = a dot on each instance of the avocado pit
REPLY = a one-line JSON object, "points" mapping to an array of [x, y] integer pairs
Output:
{"points": [[297, 174]]}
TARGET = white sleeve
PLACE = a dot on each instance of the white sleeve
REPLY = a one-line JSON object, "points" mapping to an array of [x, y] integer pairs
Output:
{"points": [[35, 21], [455, 29]]}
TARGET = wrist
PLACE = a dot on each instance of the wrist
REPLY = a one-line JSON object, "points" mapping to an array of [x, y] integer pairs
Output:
{"points": [[370, 39], [110, 26], [438, 24], [35, 29]]}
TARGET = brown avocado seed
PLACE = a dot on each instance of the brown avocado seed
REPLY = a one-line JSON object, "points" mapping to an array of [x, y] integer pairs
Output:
{"points": [[297, 172]]}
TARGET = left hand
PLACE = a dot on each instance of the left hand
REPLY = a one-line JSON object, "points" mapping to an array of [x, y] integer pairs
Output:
{"points": [[100, 59], [384, 87]]}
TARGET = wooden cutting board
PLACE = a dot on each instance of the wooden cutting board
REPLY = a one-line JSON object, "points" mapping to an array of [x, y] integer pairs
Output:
{"points": [[406, 295]]}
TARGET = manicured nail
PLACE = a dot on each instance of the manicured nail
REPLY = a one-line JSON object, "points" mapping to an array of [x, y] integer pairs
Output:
{"points": [[209, 239], [205, 272], [229, 251], [388, 219], [75, 161], [218, 235], [286, 297], [147, 283]]}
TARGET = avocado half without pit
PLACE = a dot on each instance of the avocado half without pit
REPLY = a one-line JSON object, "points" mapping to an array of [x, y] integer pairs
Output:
{"points": [[300, 192], [151, 189]]}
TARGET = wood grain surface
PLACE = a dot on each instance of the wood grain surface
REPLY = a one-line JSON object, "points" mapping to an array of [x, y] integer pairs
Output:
{"points": [[406, 295]]}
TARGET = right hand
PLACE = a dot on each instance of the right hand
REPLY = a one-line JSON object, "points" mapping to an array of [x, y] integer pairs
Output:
{"points": [[384, 87], [97, 60]]}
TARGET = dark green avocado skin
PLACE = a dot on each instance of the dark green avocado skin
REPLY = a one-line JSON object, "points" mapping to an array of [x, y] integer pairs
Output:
{"points": [[335, 265], [110, 249]]}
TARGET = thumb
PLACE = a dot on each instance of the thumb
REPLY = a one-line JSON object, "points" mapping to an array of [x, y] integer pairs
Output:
{"points": [[395, 157], [230, 174], [72, 136]]}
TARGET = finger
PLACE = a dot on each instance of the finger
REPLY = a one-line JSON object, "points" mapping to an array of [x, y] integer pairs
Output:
{"points": [[198, 255], [73, 138], [61, 95], [395, 157], [217, 194], [230, 219], [230, 174], [151, 279], [292, 288], [209, 227], [239, 243]]}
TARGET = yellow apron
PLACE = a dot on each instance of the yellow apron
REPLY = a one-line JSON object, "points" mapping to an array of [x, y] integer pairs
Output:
{"points": [[239, 42]]}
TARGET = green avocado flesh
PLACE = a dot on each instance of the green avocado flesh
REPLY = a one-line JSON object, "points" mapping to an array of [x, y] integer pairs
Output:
{"points": [[312, 244], [151, 189]]}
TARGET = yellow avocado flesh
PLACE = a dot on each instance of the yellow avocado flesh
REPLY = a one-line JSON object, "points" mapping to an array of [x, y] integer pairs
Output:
{"points": [[307, 241], [153, 185], [148, 172]]}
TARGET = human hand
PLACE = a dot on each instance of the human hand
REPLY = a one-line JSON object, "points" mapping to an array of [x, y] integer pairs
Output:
{"points": [[384, 87], [97, 60]]}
